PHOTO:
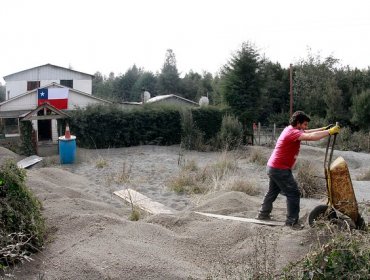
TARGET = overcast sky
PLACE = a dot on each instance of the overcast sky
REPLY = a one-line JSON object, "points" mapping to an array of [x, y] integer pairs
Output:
{"points": [[112, 35]]}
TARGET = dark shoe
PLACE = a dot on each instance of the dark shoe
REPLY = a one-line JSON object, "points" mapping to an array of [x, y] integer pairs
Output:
{"points": [[296, 226], [263, 217]]}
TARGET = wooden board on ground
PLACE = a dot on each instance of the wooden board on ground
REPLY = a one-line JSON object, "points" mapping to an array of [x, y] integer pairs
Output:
{"points": [[240, 219], [143, 202], [29, 161]]}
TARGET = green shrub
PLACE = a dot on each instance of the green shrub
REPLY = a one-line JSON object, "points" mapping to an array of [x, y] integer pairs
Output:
{"points": [[101, 126], [208, 121], [28, 140], [345, 256], [191, 136], [21, 224], [231, 134]]}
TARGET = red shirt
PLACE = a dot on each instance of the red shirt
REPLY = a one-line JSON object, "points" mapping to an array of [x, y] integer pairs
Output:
{"points": [[287, 149]]}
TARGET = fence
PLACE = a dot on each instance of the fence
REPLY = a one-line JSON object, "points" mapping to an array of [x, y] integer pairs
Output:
{"points": [[265, 135]]}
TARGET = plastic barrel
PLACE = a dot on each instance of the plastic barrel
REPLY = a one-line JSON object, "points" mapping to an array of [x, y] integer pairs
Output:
{"points": [[67, 149]]}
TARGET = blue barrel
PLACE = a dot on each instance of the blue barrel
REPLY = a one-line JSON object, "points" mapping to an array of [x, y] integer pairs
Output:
{"points": [[67, 149]]}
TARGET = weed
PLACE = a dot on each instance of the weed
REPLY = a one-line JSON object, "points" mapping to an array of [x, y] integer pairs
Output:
{"points": [[261, 264], [339, 255], [249, 187], [124, 175], [135, 214], [257, 156], [101, 163], [309, 181], [193, 180], [50, 161]]}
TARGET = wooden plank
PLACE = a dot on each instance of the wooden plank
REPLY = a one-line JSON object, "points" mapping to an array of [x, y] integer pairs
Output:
{"points": [[240, 219], [28, 161], [143, 202]]}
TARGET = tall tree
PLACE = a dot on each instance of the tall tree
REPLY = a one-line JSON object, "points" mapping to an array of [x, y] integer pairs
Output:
{"points": [[169, 78], [274, 97], [2, 92], [147, 81], [125, 84], [242, 83], [361, 110], [312, 82]]}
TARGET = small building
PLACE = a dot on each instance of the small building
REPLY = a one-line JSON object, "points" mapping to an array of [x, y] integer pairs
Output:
{"points": [[27, 91], [171, 99], [40, 76]]}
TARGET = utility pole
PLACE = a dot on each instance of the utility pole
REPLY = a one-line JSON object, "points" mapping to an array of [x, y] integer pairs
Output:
{"points": [[291, 89]]}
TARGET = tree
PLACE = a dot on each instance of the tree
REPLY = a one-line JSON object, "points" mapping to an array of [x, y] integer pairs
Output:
{"points": [[146, 81], [124, 84], [102, 86], [312, 81], [242, 83], [168, 79], [2, 93], [274, 96], [361, 110]]}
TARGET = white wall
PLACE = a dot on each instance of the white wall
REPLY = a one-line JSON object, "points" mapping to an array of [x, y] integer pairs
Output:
{"points": [[26, 102], [16, 83]]}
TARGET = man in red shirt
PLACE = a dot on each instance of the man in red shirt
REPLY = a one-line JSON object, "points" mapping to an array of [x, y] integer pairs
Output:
{"points": [[281, 162]]}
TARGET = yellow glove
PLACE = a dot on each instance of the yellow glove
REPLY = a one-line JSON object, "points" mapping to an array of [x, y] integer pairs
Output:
{"points": [[334, 130]]}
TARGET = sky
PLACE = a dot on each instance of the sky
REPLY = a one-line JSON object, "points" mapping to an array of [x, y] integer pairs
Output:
{"points": [[113, 35]]}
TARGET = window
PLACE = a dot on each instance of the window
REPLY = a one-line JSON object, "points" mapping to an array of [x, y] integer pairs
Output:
{"points": [[67, 83], [11, 126], [32, 85]]}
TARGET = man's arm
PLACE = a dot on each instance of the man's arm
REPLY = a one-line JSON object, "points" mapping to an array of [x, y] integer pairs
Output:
{"points": [[314, 130], [313, 134]]}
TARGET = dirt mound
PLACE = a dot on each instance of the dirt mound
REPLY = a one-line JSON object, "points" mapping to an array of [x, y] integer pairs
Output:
{"points": [[8, 154], [91, 237]]}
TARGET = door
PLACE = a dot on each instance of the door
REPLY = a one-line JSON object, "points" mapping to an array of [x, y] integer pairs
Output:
{"points": [[44, 130]]}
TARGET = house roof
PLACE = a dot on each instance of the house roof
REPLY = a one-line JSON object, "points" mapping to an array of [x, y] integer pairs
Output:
{"points": [[13, 114], [48, 64], [55, 113], [168, 96], [53, 84]]}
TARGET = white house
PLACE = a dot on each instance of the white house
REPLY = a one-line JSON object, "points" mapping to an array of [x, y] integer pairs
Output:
{"points": [[171, 99], [40, 76], [23, 99]]}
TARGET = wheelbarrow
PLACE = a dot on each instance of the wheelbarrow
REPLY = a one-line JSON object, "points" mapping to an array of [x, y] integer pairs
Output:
{"points": [[341, 207]]}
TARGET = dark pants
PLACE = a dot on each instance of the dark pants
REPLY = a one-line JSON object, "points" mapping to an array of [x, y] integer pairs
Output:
{"points": [[282, 181]]}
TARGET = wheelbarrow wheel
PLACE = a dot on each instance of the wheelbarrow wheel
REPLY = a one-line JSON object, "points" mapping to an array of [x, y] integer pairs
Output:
{"points": [[321, 213], [360, 223]]}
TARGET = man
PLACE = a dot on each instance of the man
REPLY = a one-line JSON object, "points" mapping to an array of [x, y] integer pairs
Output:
{"points": [[281, 162]]}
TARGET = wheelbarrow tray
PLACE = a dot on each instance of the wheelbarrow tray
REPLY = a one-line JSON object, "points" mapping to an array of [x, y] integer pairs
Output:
{"points": [[341, 189]]}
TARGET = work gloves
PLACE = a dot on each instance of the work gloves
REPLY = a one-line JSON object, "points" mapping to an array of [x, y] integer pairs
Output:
{"points": [[334, 130]]}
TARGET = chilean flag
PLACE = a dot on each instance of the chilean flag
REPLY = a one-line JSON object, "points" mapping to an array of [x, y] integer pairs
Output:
{"points": [[57, 97]]}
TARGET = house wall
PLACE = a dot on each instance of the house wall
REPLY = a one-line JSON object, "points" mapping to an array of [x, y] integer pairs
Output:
{"points": [[26, 102], [81, 101], [16, 84]]}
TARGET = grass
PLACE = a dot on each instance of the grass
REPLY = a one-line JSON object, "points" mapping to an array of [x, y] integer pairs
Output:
{"points": [[219, 175], [101, 163], [50, 161], [259, 264], [365, 176], [249, 186], [310, 183], [257, 156]]}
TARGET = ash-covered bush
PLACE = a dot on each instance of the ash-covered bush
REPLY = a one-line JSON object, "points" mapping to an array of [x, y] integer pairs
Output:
{"points": [[22, 226]]}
